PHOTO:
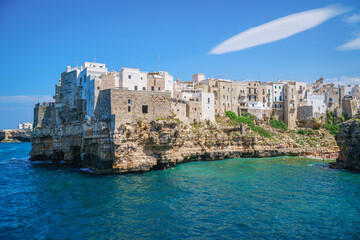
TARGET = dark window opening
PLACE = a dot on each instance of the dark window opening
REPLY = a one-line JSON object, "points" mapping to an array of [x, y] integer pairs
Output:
{"points": [[129, 109], [129, 101], [144, 109]]}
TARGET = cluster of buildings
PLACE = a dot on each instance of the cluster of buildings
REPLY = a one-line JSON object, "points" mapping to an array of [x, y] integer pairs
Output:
{"points": [[25, 126], [130, 95]]}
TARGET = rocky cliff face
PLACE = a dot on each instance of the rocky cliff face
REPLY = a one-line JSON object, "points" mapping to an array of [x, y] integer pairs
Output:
{"points": [[161, 144], [348, 141], [15, 135]]}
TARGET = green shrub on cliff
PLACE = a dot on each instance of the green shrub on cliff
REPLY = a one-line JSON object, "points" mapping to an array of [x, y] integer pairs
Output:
{"points": [[248, 119], [301, 132], [278, 124], [333, 129]]}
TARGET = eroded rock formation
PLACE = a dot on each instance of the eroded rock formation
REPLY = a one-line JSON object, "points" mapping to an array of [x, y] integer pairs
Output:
{"points": [[348, 141], [156, 145], [15, 135]]}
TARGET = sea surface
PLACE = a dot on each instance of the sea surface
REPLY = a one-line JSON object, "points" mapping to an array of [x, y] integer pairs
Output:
{"points": [[267, 198]]}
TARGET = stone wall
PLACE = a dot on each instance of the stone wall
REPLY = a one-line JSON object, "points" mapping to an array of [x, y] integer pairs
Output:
{"points": [[124, 106], [305, 112], [179, 110]]}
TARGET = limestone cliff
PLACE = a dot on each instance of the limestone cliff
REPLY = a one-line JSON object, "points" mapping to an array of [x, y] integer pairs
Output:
{"points": [[348, 141], [160, 144], [15, 135]]}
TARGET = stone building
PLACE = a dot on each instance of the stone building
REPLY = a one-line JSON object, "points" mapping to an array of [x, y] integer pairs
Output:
{"points": [[120, 106], [333, 99], [199, 105], [350, 106], [290, 101], [160, 82]]}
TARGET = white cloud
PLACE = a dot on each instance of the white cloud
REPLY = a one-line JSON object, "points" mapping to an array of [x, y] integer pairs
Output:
{"points": [[26, 99], [278, 29], [343, 81], [353, 19], [353, 44]]}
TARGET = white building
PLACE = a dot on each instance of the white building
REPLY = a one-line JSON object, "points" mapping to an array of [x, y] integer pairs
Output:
{"points": [[132, 79], [161, 81], [200, 104], [197, 77], [25, 126], [87, 83], [318, 102]]}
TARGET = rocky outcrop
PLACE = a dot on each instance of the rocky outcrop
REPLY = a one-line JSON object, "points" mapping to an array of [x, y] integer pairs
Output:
{"points": [[15, 135], [348, 141], [157, 145]]}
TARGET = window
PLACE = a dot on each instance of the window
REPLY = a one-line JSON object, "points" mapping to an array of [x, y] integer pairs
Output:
{"points": [[144, 109], [275, 87], [208, 100], [280, 106], [80, 80], [280, 98], [263, 99], [144, 88], [228, 105], [141, 78], [275, 105], [268, 99], [223, 96], [98, 88], [275, 99], [129, 109], [136, 87], [129, 101], [227, 97], [268, 90], [336, 92], [129, 76], [223, 87], [249, 98], [152, 88], [279, 87], [228, 89], [254, 98]]}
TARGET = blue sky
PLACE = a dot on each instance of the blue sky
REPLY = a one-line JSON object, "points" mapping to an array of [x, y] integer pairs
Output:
{"points": [[39, 38]]}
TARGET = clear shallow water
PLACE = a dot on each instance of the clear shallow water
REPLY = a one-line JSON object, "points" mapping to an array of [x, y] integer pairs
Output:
{"points": [[238, 198]]}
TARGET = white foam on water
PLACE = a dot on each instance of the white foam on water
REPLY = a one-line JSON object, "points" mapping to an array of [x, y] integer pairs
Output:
{"points": [[86, 170]]}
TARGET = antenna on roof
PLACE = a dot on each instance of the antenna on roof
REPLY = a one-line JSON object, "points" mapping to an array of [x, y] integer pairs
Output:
{"points": [[158, 66], [94, 59]]}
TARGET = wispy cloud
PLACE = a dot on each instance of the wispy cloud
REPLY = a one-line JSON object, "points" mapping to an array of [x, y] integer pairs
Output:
{"points": [[352, 19], [344, 81], [26, 99], [278, 29], [353, 44]]}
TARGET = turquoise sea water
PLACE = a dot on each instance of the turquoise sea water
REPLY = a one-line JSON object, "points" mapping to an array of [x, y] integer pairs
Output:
{"points": [[285, 198]]}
